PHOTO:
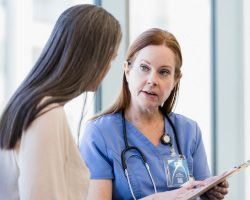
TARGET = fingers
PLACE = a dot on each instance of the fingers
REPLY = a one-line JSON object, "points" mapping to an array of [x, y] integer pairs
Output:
{"points": [[214, 195], [218, 192], [194, 184], [224, 184], [222, 188]]}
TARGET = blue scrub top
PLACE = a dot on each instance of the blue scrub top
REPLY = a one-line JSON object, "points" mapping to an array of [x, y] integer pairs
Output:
{"points": [[102, 143]]}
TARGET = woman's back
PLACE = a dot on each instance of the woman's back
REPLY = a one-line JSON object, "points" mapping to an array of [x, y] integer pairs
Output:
{"points": [[47, 142]]}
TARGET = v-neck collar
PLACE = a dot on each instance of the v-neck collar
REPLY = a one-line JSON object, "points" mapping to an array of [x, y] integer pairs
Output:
{"points": [[160, 149]]}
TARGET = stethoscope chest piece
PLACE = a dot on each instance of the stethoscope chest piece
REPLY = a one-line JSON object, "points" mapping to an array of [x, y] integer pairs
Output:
{"points": [[165, 139]]}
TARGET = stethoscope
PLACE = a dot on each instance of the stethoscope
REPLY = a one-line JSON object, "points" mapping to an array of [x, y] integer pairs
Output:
{"points": [[165, 139]]}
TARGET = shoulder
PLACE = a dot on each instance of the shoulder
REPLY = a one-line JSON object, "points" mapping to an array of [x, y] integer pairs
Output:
{"points": [[47, 137], [182, 120], [48, 126], [52, 115], [104, 121], [106, 118], [101, 128], [51, 111], [189, 132], [185, 126]]}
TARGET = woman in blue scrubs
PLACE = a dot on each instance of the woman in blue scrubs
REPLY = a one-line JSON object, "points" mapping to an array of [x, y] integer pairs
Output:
{"points": [[139, 146]]}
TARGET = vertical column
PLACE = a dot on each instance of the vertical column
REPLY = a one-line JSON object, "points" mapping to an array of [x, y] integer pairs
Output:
{"points": [[111, 83], [246, 14], [229, 91]]}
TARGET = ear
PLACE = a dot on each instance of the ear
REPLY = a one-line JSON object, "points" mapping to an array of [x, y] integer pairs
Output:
{"points": [[177, 79], [126, 68]]}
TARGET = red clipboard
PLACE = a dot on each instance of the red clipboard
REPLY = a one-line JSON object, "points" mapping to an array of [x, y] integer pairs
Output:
{"points": [[213, 181]]}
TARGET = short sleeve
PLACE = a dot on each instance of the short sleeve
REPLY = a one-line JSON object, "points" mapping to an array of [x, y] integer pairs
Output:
{"points": [[200, 165], [94, 151]]}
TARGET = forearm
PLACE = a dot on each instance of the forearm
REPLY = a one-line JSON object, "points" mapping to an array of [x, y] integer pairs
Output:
{"points": [[100, 190]]}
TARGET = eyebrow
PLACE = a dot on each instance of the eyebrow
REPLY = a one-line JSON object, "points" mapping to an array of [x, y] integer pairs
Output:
{"points": [[167, 66], [146, 61]]}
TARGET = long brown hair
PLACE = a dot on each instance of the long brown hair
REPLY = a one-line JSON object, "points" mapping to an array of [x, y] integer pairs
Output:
{"points": [[154, 36], [75, 58]]}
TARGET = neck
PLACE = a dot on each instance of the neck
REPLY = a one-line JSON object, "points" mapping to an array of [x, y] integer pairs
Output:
{"points": [[143, 116], [149, 122]]}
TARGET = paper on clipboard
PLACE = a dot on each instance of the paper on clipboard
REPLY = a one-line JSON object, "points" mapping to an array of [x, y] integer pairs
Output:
{"points": [[213, 181]]}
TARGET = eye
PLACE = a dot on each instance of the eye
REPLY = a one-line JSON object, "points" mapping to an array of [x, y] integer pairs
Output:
{"points": [[165, 72], [144, 67]]}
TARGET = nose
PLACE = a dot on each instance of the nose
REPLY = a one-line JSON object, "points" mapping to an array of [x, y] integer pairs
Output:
{"points": [[152, 78]]}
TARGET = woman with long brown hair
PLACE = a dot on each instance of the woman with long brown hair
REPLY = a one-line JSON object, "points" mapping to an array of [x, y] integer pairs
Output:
{"points": [[39, 158]]}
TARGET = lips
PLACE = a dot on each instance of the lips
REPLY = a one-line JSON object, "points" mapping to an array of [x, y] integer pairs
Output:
{"points": [[150, 93]]}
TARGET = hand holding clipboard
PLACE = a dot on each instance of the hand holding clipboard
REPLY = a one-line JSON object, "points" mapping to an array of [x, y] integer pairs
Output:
{"points": [[189, 190], [215, 180]]}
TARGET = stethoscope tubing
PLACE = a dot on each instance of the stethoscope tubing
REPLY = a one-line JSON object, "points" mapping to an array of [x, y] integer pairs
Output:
{"points": [[174, 130], [128, 148]]}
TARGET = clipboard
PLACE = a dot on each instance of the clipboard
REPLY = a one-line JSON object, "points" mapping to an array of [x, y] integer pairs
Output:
{"points": [[213, 181]]}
